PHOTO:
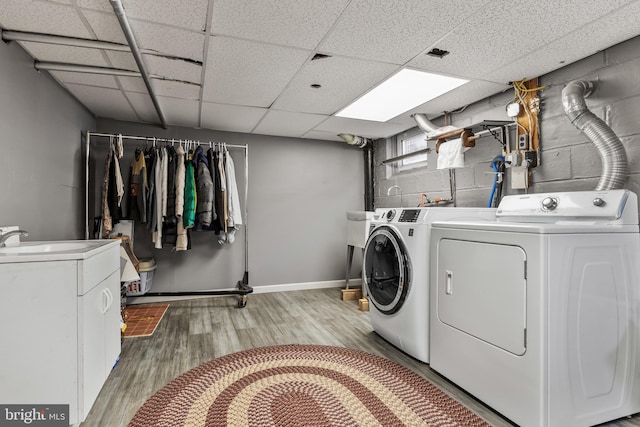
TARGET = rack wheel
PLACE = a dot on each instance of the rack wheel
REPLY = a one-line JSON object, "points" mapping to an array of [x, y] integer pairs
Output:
{"points": [[242, 301]]}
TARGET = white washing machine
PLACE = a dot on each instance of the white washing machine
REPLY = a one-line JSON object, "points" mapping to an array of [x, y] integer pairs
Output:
{"points": [[396, 272], [537, 313]]}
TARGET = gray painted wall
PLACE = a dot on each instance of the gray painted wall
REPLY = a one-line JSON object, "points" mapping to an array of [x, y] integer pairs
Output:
{"points": [[569, 162], [41, 173], [299, 192]]}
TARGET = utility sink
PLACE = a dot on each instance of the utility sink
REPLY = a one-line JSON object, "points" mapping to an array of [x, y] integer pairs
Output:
{"points": [[52, 250]]}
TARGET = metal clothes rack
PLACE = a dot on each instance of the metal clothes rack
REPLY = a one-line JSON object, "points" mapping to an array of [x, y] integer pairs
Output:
{"points": [[242, 288]]}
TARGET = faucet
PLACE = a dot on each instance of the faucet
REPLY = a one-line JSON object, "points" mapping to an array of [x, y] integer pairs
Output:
{"points": [[5, 236]]}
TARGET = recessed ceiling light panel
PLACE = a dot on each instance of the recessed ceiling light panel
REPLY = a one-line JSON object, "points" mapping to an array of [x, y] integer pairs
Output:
{"points": [[401, 92]]}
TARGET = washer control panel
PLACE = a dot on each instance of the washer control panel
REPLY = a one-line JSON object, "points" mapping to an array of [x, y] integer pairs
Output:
{"points": [[409, 215], [568, 206]]}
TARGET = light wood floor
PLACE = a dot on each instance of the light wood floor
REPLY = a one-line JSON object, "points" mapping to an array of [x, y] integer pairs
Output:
{"points": [[195, 331]]}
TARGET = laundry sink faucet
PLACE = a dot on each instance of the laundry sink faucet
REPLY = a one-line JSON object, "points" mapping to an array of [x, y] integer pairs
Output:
{"points": [[5, 236]]}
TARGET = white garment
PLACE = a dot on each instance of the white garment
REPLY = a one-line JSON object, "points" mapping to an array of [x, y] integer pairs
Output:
{"points": [[157, 234], [119, 181], [180, 175], [165, 174], [451, 154], [234, 216]]}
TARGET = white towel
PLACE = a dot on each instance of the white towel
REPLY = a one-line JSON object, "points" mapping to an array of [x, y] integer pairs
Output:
{"points": [[451, 154]]}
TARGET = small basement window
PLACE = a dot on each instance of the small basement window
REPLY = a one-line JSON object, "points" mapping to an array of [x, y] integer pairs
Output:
{"points": [[409, 142]]}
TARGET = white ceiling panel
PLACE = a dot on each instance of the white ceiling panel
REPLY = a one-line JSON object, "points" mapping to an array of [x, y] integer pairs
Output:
{"points": [[102, 102], [572, 47], [247, 73], [143, 106], [519, 29], [360, 127], [105, 26], [102, 5], [190, 14], [468, 93], [325, 136], [132, 84], [169, 41], [176, 69], [342, 80], [176, 89], [122, 60], [68, 54], [296, 124], [230, 118], [395, 31], [180, 112], [86, 79], [298, 23], [42, 17]]}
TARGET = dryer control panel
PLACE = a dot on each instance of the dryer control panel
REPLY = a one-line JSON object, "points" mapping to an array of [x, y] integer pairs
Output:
{"points": [[409, 215]]}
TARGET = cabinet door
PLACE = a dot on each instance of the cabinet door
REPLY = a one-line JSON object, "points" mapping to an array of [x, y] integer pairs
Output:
{"points": [[99, 344]]}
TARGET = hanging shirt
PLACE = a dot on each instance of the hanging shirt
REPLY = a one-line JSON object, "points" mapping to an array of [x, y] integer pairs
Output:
{"points": [[189, 212], [157, 235], [138, 188], [234, 218]]}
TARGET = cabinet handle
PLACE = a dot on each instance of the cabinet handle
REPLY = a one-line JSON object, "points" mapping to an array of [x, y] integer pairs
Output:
{"points": [[109, 300], [449, 285]]}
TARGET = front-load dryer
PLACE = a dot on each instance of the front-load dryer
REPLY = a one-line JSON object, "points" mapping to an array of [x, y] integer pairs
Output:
{"points": [[396, 272], [537, 313]]}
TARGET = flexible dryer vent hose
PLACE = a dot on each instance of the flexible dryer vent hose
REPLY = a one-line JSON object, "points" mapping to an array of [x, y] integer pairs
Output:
{"points": [[614, 157]]}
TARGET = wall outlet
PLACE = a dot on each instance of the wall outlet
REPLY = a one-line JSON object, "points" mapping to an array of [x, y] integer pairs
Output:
{"points": [[513, 159], [523, 141]]}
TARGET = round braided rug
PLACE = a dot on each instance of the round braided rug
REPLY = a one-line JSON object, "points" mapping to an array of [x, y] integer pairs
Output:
{"points": [[302, 385]]}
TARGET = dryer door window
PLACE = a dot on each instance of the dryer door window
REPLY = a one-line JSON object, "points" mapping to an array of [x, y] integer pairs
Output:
{"points": [[387, 270]]}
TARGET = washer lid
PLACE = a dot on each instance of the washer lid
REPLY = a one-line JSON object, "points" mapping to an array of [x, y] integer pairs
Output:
{"points": [[611, 206]]}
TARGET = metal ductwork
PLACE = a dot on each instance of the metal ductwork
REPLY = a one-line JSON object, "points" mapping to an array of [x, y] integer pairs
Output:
{"points": [[614, 157], [424, 123]]}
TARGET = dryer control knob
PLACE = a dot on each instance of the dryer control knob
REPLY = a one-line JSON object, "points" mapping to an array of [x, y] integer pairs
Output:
{"points": [[549, 203], [599, 202], [390, 214]]}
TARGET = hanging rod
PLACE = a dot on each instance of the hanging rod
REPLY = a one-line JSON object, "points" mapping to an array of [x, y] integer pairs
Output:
{"points": [[135, 51], [151, 138]]}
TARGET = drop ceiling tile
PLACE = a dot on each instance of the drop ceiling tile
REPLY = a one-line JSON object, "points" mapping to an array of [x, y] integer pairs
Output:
{"points": [[249, 73], [485, 42], [42, 17], [173, 89], [190, 14], [169, 41], [143, 106], [104, 102], [288, 124], [122, 60], [466, 94], [230, 118], [621, 25], [105, 26], [342, 79], [102, 5], [394, 31], [132, 84], [297, 23], [66, 54], [99, 80], [325, 136], [362, 128], [172, 68], [180, 112]]}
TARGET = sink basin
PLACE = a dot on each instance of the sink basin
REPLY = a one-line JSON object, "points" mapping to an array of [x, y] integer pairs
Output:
{"points": [[52, 250], [42, 247]]}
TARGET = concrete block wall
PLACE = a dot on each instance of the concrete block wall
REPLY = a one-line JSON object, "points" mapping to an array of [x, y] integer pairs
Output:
{"points": [[568, 160]]}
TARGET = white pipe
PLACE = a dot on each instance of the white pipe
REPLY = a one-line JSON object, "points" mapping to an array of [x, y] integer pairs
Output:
{"points": [[424, 123], [77, 68], [128, 33], [615, 168]]}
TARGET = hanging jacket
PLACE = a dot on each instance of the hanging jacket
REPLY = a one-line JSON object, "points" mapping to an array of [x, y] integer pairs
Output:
{"points": [[170, 223], [217, 193], [157, 233], [204, 189], [150, 158], [234, 218], [179, 185], [138, 188], [189, 213], [214, 215], [107, 225]]}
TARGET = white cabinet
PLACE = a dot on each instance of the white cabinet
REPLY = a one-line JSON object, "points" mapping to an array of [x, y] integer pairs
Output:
{"points": [[60, 329]]}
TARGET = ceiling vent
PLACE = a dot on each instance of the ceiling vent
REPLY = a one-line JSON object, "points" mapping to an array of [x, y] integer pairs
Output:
{"points": [[438, 53]]}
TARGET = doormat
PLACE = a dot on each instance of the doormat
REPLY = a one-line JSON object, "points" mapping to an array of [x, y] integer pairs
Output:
{"points": [[142, 320], [302, 385]]}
